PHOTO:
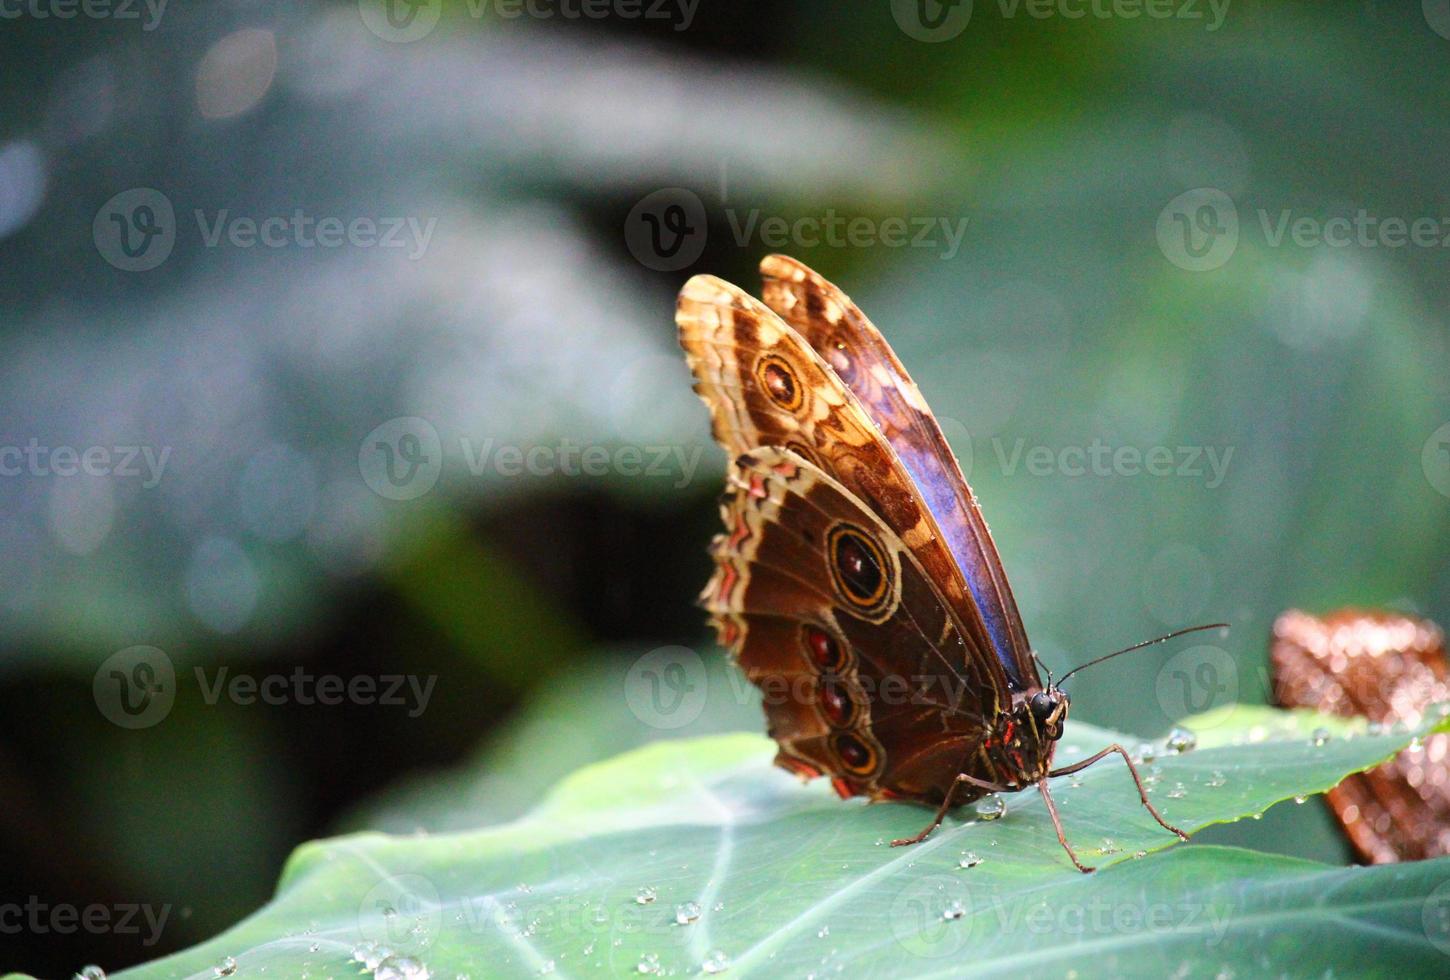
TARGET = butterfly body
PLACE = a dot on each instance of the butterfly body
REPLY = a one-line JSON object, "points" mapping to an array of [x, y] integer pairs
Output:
{"points": [[856, 582]]}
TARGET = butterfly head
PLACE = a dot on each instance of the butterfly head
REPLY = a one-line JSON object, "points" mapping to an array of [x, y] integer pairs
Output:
{"points": [[1048, 710]]}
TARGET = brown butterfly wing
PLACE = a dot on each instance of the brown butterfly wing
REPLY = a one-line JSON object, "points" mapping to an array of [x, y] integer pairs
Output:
{"points": [[765, 386], [860, 663], [860, 356], [1388, 668]]}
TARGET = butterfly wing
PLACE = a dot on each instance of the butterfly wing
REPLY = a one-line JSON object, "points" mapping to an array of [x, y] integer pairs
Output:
{"points": [[1388, 668], [851, 642], [765, 386], [860, 356]]}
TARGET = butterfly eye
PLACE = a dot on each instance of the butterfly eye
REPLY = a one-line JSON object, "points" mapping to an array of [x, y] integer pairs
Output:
{"points": [[779, 382], [857, 756], [823, 649], [1041, 707], [859, 568]]}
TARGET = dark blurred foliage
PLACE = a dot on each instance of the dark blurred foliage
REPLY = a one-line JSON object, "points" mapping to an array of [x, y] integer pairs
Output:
{"points": [[527, 320]]}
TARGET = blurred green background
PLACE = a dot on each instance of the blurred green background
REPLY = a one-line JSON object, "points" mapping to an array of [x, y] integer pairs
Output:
{"points": [[540, 181]]}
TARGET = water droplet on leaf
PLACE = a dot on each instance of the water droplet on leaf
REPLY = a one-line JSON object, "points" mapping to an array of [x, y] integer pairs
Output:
{"points": [[991, 807]]}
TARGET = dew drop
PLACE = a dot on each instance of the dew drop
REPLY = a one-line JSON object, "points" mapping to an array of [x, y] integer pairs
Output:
{"points": [[1258, 816], [991, 807], [546, 967], [1417, 744], [1300, 800], [645, 895], [719, 907], [1178, 792], [1145, 752], [1216, 778], [687, 913], [1320, 736], [970, 859], [1181, 740], [954, 910], [648, 964], [1109, 846], [226, 967], [401, 968], [716, 962], [91, 972], [823, 932], [314, 947], [1139, 854]]}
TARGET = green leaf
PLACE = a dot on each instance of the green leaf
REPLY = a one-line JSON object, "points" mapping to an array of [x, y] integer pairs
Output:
{"points": [[685, 855]]}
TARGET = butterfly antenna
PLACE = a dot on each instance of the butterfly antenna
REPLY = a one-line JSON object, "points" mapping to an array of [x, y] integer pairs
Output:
{"points": [[1042, 667], [1145, 643]]}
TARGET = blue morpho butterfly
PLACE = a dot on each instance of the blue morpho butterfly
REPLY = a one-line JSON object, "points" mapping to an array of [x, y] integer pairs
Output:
{"points": [[856, 582]]}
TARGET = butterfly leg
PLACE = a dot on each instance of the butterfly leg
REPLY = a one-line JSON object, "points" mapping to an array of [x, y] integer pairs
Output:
{"points": [[946, 804], [1057, 825], [1137, 781]]}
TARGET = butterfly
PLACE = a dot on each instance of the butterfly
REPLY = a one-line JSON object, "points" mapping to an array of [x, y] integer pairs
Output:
{"points": [[856, 583], [1389, 668]]}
